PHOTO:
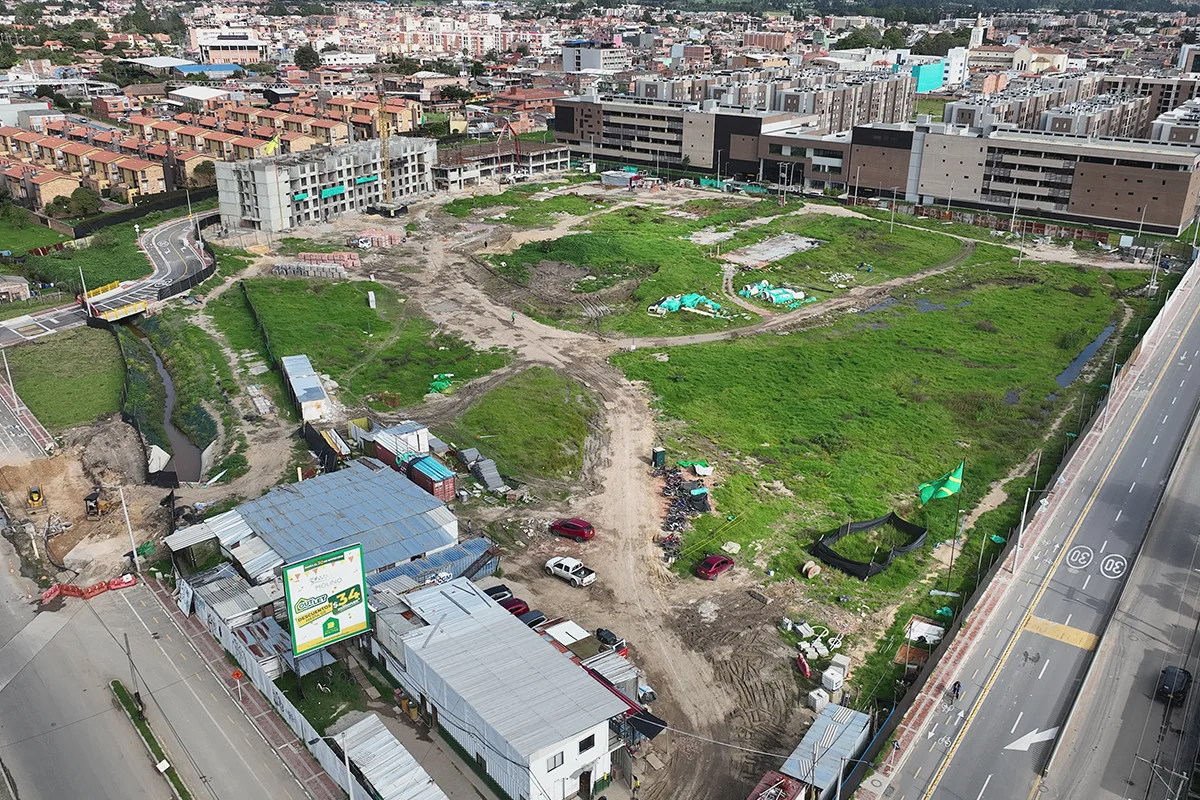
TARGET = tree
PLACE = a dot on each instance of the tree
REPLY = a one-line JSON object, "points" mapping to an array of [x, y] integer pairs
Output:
{"points": [[456, 93], [1187, 36], [330, 47], [43, 91], [8, 55], [477, 69], [28, 14], [205, 174], [307, 58], [893, 39], [522, 48], [85, 202], [860, 37]]}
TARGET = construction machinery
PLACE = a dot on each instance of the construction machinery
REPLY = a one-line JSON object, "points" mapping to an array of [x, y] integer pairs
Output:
{"points": [[96, 505], [36, 501], [384, 125]]}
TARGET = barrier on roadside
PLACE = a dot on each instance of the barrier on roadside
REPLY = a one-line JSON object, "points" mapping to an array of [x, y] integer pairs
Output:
{"points": [[123, 582], [95, 589], [108, 287], [51, 593], [71, 590]]}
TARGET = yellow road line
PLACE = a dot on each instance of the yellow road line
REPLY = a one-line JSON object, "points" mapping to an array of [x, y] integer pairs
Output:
{"points": [[1063, 633], [962, 732]]}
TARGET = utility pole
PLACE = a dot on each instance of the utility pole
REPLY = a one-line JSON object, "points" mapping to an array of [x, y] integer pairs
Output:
{"points": [[137, 561], [857, 174]]}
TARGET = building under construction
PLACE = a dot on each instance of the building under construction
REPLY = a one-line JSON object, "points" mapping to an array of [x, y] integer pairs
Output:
{"points": [[466, 166], [289, 191]]}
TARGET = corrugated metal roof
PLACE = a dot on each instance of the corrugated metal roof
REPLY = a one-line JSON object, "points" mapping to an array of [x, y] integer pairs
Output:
{"points": [[307, 388], [390, 769], [392, 517], [297, 366], [186, 537], [615, 667], [388, 593], [452, 560], [228, 596], [257, 558], [518, 683], [267, 638], [835, 734], [431, 467], [485, 470]]}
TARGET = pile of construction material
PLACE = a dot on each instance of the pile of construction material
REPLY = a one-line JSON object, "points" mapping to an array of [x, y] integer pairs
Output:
{"points": [[347, 260], [368, 239], [303, 269]]}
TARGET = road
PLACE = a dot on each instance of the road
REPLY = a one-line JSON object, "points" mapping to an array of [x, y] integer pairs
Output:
{"points": [[1118, 722], [61, 734], [173, 256], [1023, 672]]}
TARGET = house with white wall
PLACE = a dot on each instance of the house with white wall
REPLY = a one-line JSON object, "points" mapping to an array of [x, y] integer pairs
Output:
{"points": [[534, 720]]}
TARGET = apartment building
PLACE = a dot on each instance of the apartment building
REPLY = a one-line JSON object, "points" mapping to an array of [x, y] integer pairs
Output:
{"points": [[284, 192], [36, 187], [1048, 109], [1107, 115], [1165, 90], [1180, 125], [464, 167], [858, 100], [229, 46], [767, 40], [578, 56], [114, 107]]}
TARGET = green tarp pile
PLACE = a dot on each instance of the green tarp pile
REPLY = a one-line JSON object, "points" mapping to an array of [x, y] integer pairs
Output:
{"points": [[776, 295], [440, 383], [690, 302]]}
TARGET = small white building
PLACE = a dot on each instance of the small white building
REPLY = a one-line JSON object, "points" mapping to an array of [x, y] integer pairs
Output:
{"points": [[537, 722], [304, 385]]}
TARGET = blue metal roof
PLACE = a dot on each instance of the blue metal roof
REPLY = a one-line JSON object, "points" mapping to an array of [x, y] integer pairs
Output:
{"points": [[393, 518], [433, 469], [441, 561], [837, 732]]}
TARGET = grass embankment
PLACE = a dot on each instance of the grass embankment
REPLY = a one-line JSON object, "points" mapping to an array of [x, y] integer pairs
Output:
{"points": [[69, 378], [367, 351], [233, 318], [145, 396], [842, 423], [521, 209], [323, 708], [143, 729], [35, 304], [112, 255], [933, 106], [200, 373], [19, 233], [535, 424]]}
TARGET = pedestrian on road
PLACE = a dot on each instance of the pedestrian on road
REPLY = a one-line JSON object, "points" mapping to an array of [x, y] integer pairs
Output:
{"points": [[514, 318], [956, 689]]}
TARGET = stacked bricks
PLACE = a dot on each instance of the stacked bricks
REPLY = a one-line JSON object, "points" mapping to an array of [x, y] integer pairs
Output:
{"points": [[378, 239], [343, 259], [300, 269]]}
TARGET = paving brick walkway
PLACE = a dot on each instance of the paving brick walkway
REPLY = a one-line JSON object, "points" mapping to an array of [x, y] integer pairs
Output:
{"points": [[262, 716]]}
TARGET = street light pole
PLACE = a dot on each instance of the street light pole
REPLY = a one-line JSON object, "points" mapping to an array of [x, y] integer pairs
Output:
{"points": [[857, 174], [892, 224], [719, 152], [1142, 221], [137, 561]]}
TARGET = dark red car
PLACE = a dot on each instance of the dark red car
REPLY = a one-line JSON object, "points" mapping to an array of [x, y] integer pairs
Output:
{"points": [[578, 529], [713, 566], [515, 606]]}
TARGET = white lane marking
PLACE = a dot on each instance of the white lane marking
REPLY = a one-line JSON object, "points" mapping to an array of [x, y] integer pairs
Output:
{"points": [[1104, 546], [1018, 722], [1086, 580], [1155, 440], [1131, 487], [984, 789], [1118, 519], [1173, 399], [1144, 462], [1045, 664], [1164, 422], [1182, 382], [1068, 622]]}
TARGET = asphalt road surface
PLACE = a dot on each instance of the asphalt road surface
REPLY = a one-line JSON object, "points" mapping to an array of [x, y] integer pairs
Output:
{"points": [[16, 445], [61, 734], [1122, 742], [173, 255], [1020, 678]]}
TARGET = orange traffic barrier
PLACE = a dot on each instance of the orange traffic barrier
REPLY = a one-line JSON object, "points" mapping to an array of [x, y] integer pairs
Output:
{"points": [[71, 590], [122, 582], [51, 593], [95, 589]]}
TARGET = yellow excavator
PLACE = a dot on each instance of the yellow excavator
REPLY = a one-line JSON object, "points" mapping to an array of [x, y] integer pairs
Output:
{"points": [[36, 501], [96, 505]]}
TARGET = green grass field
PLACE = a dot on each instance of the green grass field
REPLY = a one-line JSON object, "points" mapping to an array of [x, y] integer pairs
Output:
{"points": [[534, 425], [19, 233], [366, 351], [519, 207], [69, 378], [843, 422], [932, 106]]}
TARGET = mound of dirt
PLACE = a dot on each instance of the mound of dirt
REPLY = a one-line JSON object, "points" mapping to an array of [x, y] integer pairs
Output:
{"points": [[109, 451]]}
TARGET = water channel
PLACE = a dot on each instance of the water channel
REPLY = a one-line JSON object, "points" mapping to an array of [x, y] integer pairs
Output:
{"points": [[185, 456], [1073, 369]]}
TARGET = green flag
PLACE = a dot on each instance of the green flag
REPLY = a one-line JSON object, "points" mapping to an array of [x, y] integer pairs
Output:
{"points": [[944, 486]]}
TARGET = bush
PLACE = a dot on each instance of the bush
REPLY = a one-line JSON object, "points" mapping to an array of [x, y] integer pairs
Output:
{"points": [[987, 326]]}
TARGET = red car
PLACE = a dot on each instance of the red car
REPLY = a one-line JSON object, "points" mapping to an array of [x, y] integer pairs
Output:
{"points": [[712, 566], [578, 529], [515, 606]]}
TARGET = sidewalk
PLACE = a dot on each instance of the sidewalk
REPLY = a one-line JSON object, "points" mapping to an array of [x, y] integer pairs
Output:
{"points": [[40, 436], [317, 784], [933, 695]]}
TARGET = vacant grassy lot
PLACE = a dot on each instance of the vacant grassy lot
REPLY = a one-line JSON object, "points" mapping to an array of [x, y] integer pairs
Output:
{"points": [[535, 424], [19, 233], [366, 351], [69, 378], [842, 423], [521, 208]]}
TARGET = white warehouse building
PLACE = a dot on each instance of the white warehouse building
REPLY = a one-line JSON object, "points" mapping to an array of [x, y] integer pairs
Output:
{"points": [[289, 191], [533, 719]]}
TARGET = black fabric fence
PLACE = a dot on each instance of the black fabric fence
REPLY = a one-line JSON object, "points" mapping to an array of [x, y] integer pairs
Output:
{"points": [[258, 322], [143, 205], [316, 442], [824, 548]]}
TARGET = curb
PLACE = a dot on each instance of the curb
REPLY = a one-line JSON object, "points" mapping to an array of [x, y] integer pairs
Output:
{"points": [[145, 744]]}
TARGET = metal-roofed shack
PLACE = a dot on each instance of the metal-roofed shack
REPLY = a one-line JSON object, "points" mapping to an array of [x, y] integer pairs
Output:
{"points": [[304, 386], [837, 736]]}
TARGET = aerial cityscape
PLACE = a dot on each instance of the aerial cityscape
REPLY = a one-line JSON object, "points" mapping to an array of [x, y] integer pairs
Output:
{"points": [[533, 400]]}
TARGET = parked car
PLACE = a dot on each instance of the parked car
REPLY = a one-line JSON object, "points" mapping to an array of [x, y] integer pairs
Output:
{"points": [[532, 618], [713, 566], [578, 529], [570, 570], [515, 606], [499, 593], [1173, 684]]}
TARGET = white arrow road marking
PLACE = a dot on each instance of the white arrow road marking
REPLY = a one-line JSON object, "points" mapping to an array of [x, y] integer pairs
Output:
{"points": [[1033, 737], [931, 731]]}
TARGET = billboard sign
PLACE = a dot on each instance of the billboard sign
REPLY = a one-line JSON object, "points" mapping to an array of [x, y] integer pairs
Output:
{"points": [[327, 599]]}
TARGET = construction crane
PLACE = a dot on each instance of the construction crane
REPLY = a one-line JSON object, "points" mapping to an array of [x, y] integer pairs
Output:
{"points": [[385, 136], [507, 130]]}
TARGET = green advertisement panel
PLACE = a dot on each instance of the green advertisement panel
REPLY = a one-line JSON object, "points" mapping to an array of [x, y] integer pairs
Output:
{"points": [[327, 599]]}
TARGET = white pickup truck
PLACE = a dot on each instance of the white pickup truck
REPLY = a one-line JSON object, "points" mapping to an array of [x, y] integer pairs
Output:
{"points": [[570, 570]]}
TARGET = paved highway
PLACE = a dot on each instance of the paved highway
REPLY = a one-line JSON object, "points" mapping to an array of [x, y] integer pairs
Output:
{"points": [[1028, 662], [61, 736], [1119, 729], [173, 254]]}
